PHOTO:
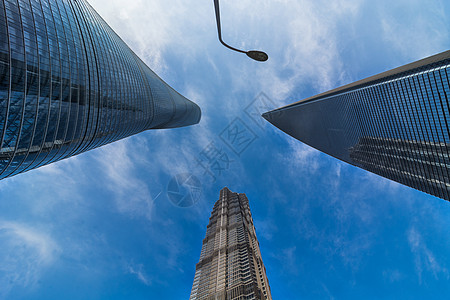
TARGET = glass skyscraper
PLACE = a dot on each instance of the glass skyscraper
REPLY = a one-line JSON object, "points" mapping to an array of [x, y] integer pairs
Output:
{"points": [[69, 84], [230, 266], [395, 124]]}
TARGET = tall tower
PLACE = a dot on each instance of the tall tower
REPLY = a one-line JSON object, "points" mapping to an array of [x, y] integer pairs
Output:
{"points": [[230, 266], [69, 84], [395, 124]]}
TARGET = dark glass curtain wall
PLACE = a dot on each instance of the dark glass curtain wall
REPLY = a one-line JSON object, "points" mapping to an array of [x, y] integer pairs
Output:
{"points": [[395, 124], [69, 84]]}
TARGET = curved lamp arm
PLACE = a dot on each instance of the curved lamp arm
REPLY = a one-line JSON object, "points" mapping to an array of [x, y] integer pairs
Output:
{"points": [[254, 54]]}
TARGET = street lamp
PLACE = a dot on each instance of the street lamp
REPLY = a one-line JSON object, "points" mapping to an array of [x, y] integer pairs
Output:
{"points": [[254, 54]]}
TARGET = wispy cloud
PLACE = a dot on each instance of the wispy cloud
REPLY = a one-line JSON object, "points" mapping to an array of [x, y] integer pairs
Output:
{"points": [[287, 258], [265, 228], [377, 182], [138, 270], [152, 26], [118, 164], [424, 258], [67, 178], [303, 157], [418, 32], [300, 40], [297, 35], [393, 275], [24, 253]]}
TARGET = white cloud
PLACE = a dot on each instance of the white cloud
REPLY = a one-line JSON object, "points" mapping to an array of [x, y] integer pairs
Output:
{"points": [[301, 159], [377, 182], [265, 228], [418, 32], [288, 260], [300, 37], [138, 270], [67, 178], [424, 258], [24, 253], [393, 275], [119, 164], [327, 292], [152, 26], [302, 42]]}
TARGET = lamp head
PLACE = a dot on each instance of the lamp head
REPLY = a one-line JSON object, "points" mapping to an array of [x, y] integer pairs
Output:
{"points": [[257, 55]]}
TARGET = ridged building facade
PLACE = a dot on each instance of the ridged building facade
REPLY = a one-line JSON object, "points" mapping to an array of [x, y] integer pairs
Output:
{"points": [[426, 171], [230, 265], [69, 84], [395, 124]]}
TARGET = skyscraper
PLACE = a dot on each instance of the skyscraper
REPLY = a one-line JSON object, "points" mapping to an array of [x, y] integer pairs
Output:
{"points": [[230, 265], [425, 172], [394, 124], [69, 84]]}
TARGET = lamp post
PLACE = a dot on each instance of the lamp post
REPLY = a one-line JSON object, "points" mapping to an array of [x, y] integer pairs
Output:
{"points": [[254, 54]]}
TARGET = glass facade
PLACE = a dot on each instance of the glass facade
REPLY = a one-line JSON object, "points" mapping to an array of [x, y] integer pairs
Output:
{"points": [[69, 84], [394, 124], [230, 266]]}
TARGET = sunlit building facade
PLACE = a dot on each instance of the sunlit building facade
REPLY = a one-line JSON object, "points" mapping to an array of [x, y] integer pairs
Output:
{"points": [[230, 265], [69, 84], [395, 124]]}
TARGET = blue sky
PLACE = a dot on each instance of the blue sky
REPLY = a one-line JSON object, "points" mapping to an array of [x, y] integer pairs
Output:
{"points": [[100, 225]]}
